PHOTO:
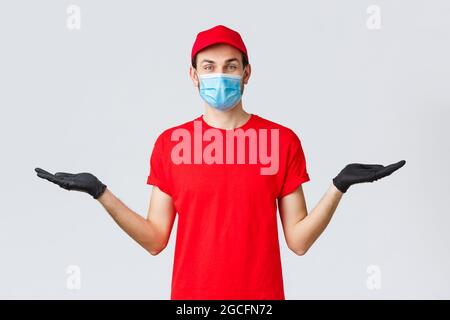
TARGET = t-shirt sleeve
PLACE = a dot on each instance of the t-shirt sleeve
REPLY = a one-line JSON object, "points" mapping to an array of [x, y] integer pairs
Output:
{"points": [[159, 167], [296, 172]]}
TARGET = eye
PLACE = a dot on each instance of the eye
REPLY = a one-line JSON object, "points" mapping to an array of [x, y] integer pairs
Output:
{"points": [[232, 67], [208, 67]]}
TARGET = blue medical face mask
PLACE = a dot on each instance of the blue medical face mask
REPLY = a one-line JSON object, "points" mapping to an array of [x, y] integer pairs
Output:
{"points": [[220, 90]]}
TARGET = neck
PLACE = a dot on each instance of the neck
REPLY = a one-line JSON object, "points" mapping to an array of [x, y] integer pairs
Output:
{"points": [[227, 120]]}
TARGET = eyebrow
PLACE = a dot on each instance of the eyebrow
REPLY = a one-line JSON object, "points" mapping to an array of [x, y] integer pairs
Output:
{"points": [[212, 61], [207, 60], [232, 60]]}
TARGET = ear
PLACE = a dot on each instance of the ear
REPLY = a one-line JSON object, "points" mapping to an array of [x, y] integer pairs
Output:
{"points": [[248, 72], [194, 76]]}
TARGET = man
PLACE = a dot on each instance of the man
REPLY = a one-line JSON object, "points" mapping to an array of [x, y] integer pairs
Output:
{"points": [[225, 173]]}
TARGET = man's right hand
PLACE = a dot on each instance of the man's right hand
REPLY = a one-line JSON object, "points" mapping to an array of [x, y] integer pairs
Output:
{"points": [[85, 182]]}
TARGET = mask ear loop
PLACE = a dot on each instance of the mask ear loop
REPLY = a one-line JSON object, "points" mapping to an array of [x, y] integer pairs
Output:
{"points": [[242, 75], [198, 79], [242, 78]]}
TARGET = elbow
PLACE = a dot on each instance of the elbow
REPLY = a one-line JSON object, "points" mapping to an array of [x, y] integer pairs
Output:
{"points": [[299, 250], [155, 245], [156, 250]]}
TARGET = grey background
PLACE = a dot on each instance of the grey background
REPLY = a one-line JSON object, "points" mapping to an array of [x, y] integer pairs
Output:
{"points": [[95, 100]]}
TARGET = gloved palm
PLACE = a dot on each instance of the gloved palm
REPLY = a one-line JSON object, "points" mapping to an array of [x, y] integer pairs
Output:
{"points": [[85, 182], [359, 172]]}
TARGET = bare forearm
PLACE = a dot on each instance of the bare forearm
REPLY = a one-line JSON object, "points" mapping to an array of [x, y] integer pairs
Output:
{"points": [[307, 230], [137, 227]]}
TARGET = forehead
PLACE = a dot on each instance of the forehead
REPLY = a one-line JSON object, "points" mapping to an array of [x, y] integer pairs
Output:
{"points": [[219, 53]]}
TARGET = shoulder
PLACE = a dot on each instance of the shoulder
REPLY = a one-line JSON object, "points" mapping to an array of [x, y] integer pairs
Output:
{"points": [[166, 134], [285, 133]]}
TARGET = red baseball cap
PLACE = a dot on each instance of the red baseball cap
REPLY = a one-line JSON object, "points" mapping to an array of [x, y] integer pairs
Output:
{"points": [[218, 34]]}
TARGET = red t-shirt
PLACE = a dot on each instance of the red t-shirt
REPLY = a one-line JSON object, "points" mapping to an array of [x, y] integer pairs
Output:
{"points": [[227, 238]]}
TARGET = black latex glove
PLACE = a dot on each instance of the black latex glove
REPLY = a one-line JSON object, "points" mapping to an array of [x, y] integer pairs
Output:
{"points": [[359, 172], [85, 181]]}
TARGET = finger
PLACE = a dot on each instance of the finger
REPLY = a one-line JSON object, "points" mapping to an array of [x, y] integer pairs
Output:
{"points": [[39, 170], [48, 176], [389, 169], [42, 173], [52, 178]]}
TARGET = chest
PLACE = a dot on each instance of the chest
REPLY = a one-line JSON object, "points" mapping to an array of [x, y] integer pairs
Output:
{"points": [[209, 180]]}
